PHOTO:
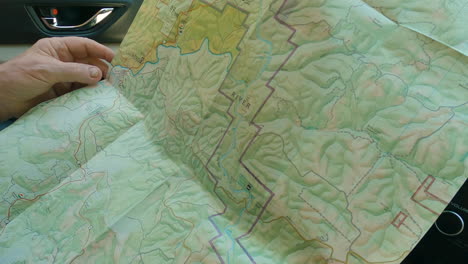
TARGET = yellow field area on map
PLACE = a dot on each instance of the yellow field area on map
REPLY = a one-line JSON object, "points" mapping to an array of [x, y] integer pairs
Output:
{"points": [[187, 27]]}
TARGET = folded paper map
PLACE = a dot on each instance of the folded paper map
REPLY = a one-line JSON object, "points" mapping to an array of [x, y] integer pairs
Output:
{"points": [[248, 131]]}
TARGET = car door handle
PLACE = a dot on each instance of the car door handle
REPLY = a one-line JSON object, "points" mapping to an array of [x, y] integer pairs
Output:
{"points": [[54, 23]]}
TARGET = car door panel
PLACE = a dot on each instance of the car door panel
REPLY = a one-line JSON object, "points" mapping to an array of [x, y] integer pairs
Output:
{"points": [[23, 22]]}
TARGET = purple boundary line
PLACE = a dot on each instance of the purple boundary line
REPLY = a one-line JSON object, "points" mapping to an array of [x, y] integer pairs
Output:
{"points": [[259, 128], [210, 218], [272, 90]]}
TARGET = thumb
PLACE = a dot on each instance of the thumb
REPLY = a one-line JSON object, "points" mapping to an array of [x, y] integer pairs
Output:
{"points": [[77, 72]]}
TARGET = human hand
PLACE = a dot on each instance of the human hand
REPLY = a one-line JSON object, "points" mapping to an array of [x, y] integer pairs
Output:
{"points": [[50, 68]]}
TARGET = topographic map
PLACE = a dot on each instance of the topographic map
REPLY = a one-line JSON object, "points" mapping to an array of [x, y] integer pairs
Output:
{"points": [[248, 131]]}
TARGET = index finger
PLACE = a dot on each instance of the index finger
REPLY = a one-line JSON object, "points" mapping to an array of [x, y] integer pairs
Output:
{"points": [[81, 48]]}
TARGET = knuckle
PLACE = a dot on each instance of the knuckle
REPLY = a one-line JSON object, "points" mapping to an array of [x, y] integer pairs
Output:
{"points": [[42, 42]]}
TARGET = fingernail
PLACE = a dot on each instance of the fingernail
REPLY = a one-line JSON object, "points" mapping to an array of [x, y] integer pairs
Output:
{"points": [[93, 72]]}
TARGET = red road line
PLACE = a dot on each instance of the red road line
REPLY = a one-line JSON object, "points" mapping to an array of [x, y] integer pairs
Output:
{"points": [[397, 217], [426, 190]]}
